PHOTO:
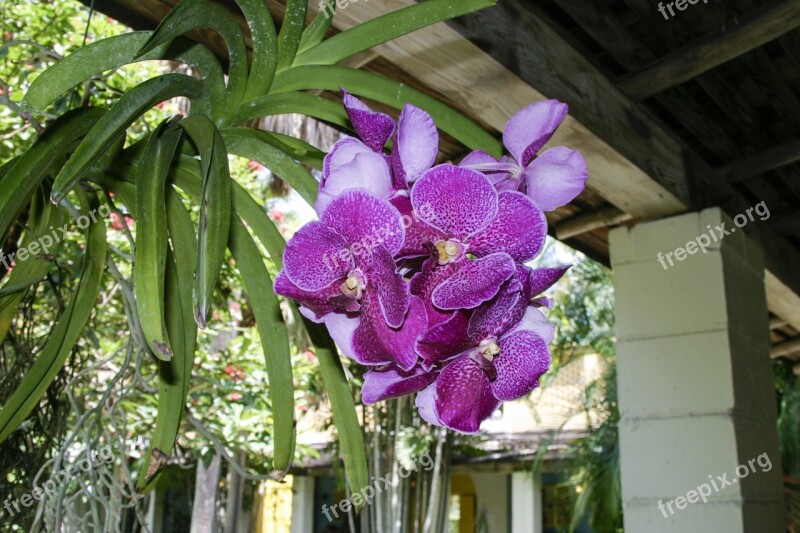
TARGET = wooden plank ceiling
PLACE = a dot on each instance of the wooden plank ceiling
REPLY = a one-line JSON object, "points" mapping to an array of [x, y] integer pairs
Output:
{"points": [[696, 109]]}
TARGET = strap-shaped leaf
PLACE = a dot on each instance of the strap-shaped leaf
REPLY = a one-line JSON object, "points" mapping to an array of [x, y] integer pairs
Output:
{"points": [[27, 173], [294, 102], [385, 28], [274, 340], [43, 239], [351, 438], [251, 144], [121, 115], [113, 52], [215, 210], [296, 148], [316, 31], [190, 15], [294, 22], [151, 237], [391, 93], [64, 334], [265, 47]]}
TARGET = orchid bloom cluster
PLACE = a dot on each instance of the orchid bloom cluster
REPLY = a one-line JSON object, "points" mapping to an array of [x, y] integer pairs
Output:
{"points": [[417, 270]]}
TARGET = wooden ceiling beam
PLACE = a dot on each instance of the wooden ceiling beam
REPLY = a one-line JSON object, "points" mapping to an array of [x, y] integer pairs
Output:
{"points": [[711, 51], [789, 349], [583, 223], [755, 165]]}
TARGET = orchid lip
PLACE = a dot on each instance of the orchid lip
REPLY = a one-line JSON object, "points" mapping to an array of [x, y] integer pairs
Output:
{"points": [[354, 285], [449, 251]]}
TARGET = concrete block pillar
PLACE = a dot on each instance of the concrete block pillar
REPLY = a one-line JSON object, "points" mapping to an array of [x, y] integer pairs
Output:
{"points": [[694, 379]]}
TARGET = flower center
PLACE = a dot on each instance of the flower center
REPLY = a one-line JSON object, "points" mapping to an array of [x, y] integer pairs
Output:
{"points": [[354, 285], [449, 251], [489, 349]]}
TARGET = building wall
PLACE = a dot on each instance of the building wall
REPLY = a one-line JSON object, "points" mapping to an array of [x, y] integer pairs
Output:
{"points": [[493, 499]]}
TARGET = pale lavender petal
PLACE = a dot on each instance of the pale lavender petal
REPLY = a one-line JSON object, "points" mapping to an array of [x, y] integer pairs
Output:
{"points": [[539, 280], [342, 328], [456, 201], [464, 396], [419, 236], [393, 382], [535, 322], [502, 173], [445, 340], [426, 404], [375, 343], [424, 282], [530, 128], [320, 302], [500, 313], [416, 144], [363, 218], [519, 229], [316, 256], [392, 289], [352, 165], [474, 283], [523, 358], [556, 177], [373, 128]]}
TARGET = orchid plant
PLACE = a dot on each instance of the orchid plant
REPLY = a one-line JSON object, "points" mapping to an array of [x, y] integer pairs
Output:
{"points": [[418, 270]]}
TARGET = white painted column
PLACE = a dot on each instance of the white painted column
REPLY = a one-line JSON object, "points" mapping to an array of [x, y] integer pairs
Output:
{"points": [[526, 503], [694, 379], [302, 504]]}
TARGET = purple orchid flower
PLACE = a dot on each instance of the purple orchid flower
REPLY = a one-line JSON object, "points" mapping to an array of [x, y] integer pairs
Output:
{"points": [[478, 230], [487, 365], [341, 270], [554, 177], [354, 163]]}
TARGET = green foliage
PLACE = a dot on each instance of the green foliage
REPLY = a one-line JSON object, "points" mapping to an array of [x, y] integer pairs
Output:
{"points": [[181, 207]]}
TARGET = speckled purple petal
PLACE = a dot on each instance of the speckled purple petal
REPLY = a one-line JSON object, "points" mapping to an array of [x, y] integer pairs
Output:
{"points": [[502, 312], [393, 382], [556, 177], [392, 289], [363, 218], [446, 340], [426, 404], [352, 165], [316, 256], [538, 280], [523, 358], [419, 235], [423, 284], [373, 128], [320, 302], [474, 283], [535, 322], [530, 128], [416, 144], [375, 343], [464, 396], [457, 201], [519, 229]]}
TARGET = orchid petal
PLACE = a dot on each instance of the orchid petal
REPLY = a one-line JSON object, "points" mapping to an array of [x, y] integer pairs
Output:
{"points": [[523, 358], [474, 283], [375, 343], [556, 177], [464, 396], [392, 382], [392, 289], [519, 229], [363, 218], [320, 302], [426, 404], [530, 128], [352, 165], [423, 284], [316, 256], [535, 322], [456, 201], [502, 173], [502, 312], [415, 146], [539, 280], [445, 340], [373, 128], [418, 234]]}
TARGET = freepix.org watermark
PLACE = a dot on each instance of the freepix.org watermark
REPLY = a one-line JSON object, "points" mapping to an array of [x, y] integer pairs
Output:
{"points": [[714, 235], [365, 495], [703, 491], [103, 456], [43, 244], [325, 6]]}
